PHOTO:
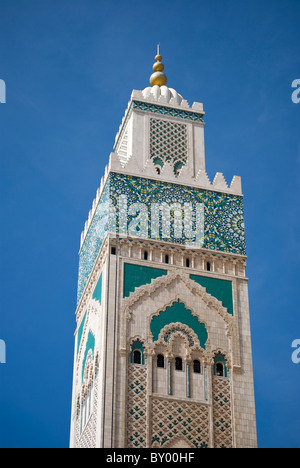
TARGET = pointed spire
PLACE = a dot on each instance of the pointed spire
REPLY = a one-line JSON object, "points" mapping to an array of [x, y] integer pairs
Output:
{"points": [[158, 77]]}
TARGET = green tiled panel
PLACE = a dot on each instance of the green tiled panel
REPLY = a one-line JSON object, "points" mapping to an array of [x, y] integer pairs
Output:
{"points": [[80, 331], [98, 290], [220, 289], [137, 275]]}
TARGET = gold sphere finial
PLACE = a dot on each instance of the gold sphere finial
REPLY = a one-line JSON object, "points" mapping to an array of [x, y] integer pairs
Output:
{"points": [[158, 77]]}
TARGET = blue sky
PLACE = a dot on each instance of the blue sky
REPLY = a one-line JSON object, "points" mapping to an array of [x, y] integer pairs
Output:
{"points": [[69, 68]]}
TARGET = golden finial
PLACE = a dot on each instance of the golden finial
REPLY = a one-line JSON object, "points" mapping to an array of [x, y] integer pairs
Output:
{"points": [[158, 77]]}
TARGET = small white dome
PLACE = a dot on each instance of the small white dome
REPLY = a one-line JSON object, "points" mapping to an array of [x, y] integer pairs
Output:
{"points": [[157, 91]]}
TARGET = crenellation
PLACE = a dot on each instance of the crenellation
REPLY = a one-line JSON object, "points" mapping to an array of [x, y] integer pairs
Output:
{"points": [[219, 182]]}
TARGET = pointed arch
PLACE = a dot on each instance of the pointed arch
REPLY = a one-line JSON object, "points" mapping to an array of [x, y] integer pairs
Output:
{"points": [[178, 442], [90, 345], [178, 312]]}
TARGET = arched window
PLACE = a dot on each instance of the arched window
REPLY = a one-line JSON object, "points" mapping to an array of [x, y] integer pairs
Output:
{"points": [[197, 366], [178, 363], [137, 353], [137, 357], [166, 258], [160, 360], [208, 266], [187, 262], [220, 365]]}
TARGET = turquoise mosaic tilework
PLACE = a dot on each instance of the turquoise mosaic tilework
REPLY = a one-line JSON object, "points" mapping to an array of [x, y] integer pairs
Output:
{"points": [[223, 217], [162, 110], [93, 241], [163, 211]]}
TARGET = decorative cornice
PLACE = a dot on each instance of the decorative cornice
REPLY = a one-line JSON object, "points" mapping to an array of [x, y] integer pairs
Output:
{"points": [[171, 111]]}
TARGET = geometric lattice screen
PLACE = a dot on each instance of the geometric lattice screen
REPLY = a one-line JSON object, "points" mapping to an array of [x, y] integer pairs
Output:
{"points": [[168, 142]]}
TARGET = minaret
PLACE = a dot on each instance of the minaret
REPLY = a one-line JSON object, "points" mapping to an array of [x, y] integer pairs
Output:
{"points": [[162, 344]]}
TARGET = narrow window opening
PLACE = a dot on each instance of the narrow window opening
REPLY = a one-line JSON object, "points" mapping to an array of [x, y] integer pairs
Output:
{"points": [[178, 363], [166, 258], [113, 251], [219, 369], [197, 366], [187, 262], [208, 266], [145, 255], [160, 360], [137, 357]]}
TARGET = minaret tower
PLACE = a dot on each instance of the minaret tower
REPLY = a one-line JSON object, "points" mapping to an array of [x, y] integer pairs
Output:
{"points": [[162, 345]]}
